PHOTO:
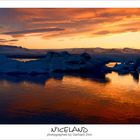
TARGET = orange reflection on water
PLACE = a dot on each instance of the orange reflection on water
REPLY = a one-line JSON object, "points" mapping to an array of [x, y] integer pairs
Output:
{"points": [[87, 100]]}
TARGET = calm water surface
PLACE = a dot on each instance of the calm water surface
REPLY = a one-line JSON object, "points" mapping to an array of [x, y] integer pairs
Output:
{"points": [[24, 59], [70, 99]]}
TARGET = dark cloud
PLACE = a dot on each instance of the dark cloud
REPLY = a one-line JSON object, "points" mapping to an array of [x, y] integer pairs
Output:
{"points": [[8, 41], [33, 31], [104, 32], [123, 30]]}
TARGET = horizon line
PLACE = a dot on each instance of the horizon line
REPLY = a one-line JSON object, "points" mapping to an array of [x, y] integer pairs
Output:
{"points": [[18, 46]]}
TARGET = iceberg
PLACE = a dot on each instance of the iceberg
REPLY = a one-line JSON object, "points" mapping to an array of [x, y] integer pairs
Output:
{"points": [[53, 62]]}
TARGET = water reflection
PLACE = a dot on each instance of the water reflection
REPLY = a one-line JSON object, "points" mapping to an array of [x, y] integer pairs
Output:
{"points": [[42, 78], [69, 98], [24, 59], [135, 76], [38, 79]]}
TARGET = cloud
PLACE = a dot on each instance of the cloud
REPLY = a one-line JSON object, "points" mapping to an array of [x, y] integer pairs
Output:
{"points": [[30, 31], [103, 32], [51, 22], [133, 26], [7, 41]]}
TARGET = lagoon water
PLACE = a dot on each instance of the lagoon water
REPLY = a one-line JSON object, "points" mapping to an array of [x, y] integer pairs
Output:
{"points": [[70, 99]]}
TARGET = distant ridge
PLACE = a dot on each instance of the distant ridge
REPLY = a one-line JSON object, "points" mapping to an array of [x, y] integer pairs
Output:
{"points": [[11, 47], [95, 50], [18, 51]]}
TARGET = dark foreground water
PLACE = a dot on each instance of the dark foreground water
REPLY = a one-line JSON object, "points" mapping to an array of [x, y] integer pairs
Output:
{"points": [[70, 99]]}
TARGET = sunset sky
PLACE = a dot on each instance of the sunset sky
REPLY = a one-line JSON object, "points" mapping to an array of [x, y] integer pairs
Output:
{"points": [[70, 28]]}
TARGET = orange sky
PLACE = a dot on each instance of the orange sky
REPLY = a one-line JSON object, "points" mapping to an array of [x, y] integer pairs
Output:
{"points": [[70, 28]]}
